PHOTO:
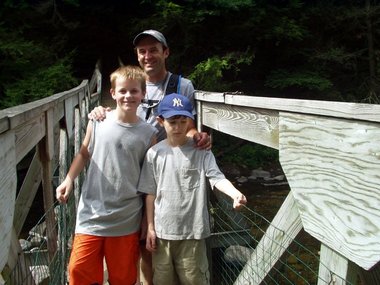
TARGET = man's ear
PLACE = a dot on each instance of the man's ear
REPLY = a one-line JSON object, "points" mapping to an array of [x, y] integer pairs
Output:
{"points": [[166, 52], [160, 120]]}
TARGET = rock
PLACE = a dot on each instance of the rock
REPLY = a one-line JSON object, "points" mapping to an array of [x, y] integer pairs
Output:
{"points": [[242, 179], [237, 254], [25, 245], [259, 173]]}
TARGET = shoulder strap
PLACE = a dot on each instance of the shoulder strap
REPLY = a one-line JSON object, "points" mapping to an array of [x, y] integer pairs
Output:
{"points": [[173, 84]]}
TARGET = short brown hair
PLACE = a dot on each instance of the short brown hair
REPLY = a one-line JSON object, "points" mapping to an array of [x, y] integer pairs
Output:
{"points": [[129, 72]]}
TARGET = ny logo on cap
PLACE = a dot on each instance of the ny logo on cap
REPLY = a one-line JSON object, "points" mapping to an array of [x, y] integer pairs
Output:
{"points": [[177, 102]]}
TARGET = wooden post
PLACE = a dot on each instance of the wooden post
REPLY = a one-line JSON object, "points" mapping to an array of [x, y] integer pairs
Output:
{"points": [[279, 235]]}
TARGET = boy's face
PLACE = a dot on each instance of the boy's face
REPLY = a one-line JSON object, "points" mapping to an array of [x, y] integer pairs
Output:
{"points": [[175, 127], [127, 94], [151, 55]]}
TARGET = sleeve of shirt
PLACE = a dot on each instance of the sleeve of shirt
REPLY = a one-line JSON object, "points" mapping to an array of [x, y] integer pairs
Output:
{"points": [[147, 183], [213, 173]]}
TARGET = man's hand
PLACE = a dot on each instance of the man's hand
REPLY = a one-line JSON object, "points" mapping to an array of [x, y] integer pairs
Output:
{"points": [[98, 113], [202, 140]]}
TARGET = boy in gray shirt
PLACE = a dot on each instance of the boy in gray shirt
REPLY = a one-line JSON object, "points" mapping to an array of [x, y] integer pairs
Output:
{"points": [[174, 177]]}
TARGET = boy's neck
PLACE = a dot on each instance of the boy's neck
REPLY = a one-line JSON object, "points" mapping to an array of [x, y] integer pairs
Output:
{"points": [[126, 117], [176, 141]]}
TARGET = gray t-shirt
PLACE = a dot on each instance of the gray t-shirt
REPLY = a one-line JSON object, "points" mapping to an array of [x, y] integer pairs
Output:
{"points": [[156, 91], [178, 177], [109, 204]]}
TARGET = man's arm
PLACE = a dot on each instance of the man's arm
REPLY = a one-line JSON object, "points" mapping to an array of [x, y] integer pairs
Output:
{"points": [[202, 139], [98, 113]]}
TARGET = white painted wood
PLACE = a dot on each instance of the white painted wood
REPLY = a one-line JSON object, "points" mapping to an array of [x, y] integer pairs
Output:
{"points": [[8, 184], [333, 267], [333, 168], [255, 125], [279, 235], [367, 112]]}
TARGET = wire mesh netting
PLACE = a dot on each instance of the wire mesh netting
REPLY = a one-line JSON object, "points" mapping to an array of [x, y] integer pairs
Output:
{"points": [[233, 251], [36, 265], [236, 258]]}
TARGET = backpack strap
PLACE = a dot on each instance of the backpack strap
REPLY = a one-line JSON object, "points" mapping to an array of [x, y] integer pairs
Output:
{"points": [[174, 85]]}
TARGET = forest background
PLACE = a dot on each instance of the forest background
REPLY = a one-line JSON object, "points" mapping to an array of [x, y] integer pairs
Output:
{"points": [[317, 50]]}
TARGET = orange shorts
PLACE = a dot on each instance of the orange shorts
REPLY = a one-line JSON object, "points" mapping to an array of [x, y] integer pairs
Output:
{"points": [[86, 259]]}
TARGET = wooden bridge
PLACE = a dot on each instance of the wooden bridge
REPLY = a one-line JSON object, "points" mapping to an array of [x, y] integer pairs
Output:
{"points": [[329, 152]]}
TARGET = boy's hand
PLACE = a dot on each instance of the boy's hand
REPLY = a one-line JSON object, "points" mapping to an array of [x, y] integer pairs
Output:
{"points": [[98, 113], [202, 140], [239, 201], [151, 240], [63, 191]]}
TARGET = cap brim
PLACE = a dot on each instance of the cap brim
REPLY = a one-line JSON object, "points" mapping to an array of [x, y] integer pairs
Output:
{"points": [[170, 114]]}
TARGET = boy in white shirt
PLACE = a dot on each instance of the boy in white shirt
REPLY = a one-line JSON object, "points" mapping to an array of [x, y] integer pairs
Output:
{"points": [[174, 177]]}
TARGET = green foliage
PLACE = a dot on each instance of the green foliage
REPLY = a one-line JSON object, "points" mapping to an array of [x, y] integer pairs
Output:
{"points": [[282, 79], [232, 150], [208, 74], [42, 83]]}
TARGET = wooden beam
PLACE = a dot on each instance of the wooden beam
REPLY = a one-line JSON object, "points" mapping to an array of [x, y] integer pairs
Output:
{"points": [[366, 112], [8, 182], [279, 235], [332, 166], [335, 268], [27, 193], [255, 125]]}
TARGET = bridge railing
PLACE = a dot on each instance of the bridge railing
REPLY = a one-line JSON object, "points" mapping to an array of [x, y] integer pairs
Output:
{"points": [[330, 154], [37, 136]]}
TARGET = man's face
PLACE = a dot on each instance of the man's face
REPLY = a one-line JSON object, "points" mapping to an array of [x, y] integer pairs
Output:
{"points": [[151, 56]]}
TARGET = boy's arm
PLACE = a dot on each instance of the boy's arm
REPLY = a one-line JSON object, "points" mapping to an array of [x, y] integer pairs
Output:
{"points": [[227, 188], [151, 233], [64, 189]]}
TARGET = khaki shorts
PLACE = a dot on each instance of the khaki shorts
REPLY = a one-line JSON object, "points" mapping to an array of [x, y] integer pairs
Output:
{"points": [[180, 262]]}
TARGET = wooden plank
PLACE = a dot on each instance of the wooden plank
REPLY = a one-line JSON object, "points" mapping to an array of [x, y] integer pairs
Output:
{"points": [[17, 261], [49, 115], [367, 112], [48, 198], [21, 114], [255, 125], [209, 96], [28, 135], [4, 125], [69, 115], [332, 166], [27, 194], [8, 182], [279, 235], [334, 268]]}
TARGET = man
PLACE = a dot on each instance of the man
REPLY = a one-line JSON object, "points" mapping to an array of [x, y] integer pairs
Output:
{"points": [[152, 51]]}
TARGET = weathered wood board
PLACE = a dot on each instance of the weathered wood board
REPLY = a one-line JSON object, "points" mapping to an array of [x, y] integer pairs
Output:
{"points": [[8, 182], [255, 125], [333, 168]]}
